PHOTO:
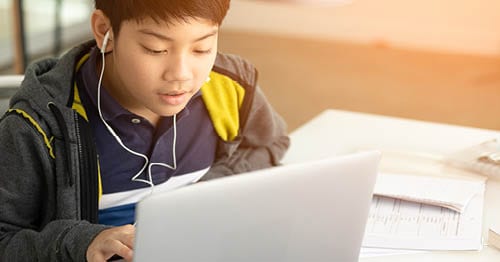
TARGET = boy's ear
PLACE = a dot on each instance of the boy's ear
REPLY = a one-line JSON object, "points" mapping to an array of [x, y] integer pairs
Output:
{"points": [[100, 25]]}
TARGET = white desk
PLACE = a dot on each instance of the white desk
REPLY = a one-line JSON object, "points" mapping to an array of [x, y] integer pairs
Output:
{"points": [[336, 132]]}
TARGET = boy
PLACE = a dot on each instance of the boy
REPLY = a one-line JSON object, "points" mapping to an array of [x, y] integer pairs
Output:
{"points": [[149, 104]]}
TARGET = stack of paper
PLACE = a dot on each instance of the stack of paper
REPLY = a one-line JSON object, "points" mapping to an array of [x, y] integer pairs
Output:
{"points": [[454, 194], [425, 213]]}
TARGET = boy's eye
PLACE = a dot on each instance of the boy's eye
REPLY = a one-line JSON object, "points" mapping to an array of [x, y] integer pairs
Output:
{"points": [[208, 51], [156, 52]]}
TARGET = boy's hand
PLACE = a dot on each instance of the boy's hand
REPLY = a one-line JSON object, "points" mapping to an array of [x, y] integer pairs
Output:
{"points": [[117, 240]]}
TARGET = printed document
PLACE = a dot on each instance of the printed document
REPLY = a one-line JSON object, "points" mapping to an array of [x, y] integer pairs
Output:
{"points": [[452, 193], [399, 224]]}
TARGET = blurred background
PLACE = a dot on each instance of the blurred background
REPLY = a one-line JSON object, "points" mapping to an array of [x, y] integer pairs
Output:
{"points": [[428, 60], [40, 28]]}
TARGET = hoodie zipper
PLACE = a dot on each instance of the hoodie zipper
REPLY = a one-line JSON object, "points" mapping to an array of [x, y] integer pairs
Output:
{"points": [[87, 165], [89, 181]]}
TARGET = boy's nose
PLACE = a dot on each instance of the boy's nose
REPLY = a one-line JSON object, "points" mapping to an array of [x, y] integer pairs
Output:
{"points": [[178, 69]]}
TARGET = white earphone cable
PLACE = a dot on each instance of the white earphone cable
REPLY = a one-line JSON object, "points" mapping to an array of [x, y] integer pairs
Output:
{"points": [[120, 142]]}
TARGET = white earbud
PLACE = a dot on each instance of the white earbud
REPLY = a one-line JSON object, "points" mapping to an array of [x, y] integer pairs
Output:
{"points": [[105, 42]]}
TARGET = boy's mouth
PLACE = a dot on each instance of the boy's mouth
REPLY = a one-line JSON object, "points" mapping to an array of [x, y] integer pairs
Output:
{"points": [[175, 94], [174, 98]]}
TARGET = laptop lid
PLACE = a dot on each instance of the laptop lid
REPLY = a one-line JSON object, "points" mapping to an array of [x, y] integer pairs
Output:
{"points": [[313, 211]]}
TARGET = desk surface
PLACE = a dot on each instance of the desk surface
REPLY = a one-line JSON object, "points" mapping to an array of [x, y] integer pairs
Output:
{"points": [[336, 132]]}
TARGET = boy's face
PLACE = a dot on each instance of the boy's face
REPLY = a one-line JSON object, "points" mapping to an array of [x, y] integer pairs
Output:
{"points": [[155, 69]]}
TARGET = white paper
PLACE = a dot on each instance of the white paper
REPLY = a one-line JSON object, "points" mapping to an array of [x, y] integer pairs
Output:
{"points": [[441, 191], [399, 224]]}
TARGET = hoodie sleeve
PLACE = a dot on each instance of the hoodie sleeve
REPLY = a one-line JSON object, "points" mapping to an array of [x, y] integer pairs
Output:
{"points": [[33, 226], [262, 143]]}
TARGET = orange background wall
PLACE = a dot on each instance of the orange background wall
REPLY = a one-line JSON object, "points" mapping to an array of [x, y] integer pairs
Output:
{"points": [[457, 26]]}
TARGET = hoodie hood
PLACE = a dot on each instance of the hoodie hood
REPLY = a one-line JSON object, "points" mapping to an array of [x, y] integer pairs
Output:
{"points": [[50, 81]]}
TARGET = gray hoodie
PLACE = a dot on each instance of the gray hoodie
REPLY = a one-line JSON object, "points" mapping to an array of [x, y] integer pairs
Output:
{"points": [[49, 165]]}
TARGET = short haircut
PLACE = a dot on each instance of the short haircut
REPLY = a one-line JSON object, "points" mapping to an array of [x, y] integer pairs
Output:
{"points": [[168, 11]]}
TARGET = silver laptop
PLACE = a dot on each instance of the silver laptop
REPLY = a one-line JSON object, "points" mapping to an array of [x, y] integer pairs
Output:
{"points": [[314, 211]]}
